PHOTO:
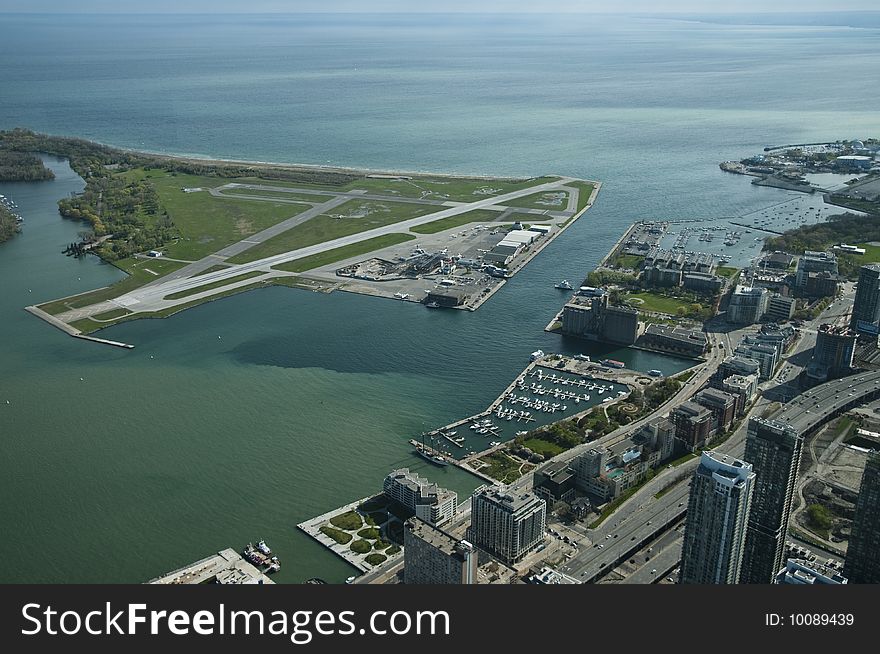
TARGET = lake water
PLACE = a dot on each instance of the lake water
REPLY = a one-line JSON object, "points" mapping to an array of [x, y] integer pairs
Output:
{"points": [[238, 419]]}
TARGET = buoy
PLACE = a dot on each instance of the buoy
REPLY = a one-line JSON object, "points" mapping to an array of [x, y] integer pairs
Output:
{"points": [[151, 356], [81, 379]]}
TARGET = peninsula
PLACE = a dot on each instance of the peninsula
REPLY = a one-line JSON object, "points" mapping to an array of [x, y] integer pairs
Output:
{"points": [[190, 230]]}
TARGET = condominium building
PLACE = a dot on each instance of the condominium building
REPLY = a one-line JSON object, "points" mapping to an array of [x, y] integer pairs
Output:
{"points": [[507, 524], [694, 424], [428, 501], [803, 573], [774, 451], [747, 305], [431, 556], [718, 513], [862, 564], [866, 306]]}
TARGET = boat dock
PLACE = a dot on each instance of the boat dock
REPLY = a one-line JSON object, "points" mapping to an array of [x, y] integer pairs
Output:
{"points": [[73, 331]]}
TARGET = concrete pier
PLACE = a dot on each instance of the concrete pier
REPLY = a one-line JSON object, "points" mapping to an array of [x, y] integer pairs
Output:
{"points": [[72, 331]]}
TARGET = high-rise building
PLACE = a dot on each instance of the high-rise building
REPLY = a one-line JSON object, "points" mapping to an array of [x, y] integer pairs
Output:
{"points": [[431, 556], [747, 305], [862, 565], [832, 354], [767, 356], [866, 306], [774, 450], [718, 513], [508, 525], [429, 502]]}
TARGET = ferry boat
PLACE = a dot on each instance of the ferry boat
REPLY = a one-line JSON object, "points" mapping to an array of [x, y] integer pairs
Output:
{"points": [[429, 456], [613, 363], [564, 286], [537, 354]]}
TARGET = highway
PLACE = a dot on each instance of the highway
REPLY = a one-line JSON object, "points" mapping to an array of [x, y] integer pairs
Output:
{"points": [[641, 518]]}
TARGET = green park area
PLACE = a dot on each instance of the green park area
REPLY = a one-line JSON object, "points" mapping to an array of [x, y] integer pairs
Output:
{"points": [[726, 271], [503, 467], [654, 302], [470, 217], [352, 217]]}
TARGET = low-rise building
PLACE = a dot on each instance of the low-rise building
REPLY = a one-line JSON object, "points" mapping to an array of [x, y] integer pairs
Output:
{"points": [[766, 355], [802, 572], [674, 340], [743, 387], [702, 282], [694, 424], [555, 482], [446, 297], [721, 404], [593, 318]]}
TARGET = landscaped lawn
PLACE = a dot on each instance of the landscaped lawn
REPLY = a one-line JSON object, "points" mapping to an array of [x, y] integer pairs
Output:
{"points": [[501, 467], [545, 448], [352, 217], [657, 303], [348, 521], [338, 535]]}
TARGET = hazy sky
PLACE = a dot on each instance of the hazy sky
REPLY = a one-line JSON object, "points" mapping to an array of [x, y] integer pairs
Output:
{"points": [[257, 6]]}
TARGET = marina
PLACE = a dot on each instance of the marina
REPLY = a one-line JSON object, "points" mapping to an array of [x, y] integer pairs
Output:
{"points": [[549, 389]]}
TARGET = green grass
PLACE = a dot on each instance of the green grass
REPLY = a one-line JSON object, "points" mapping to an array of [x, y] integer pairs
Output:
{"points": [[539, 200], [213, 285], [348, 521], [726, 271], [585, 190], [338, 535], [394, 549], [370, 533], [632, 261], [684, 459], [470, 217], [545, 448], [207, 223], [671, 486], [360, 546], [343, 221], [844, 425], [871, 255], [137, 278], [612, 506], [376, 559], [501, 467], [344, 252], [110, 315], [656, 303]]}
